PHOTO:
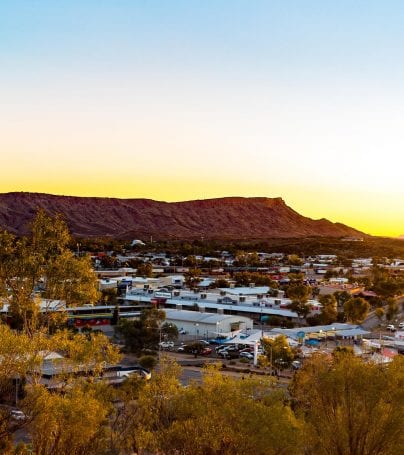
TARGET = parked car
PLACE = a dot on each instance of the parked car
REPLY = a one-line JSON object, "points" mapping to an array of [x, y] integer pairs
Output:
{"points": [[204, 342], [206, 351], [391, 328], [251, 350], [182, 348], [296, 365], [182, 331], [401, 325], [229, 354], [167, 345], [130, 371], [16, 414], [247, 355]]}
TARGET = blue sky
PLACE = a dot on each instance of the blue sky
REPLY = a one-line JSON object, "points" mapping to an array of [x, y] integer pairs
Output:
{"points": [[208, 98]]}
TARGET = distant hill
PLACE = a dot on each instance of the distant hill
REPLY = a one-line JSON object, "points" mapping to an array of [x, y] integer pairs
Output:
{"points": [[225, 218]]}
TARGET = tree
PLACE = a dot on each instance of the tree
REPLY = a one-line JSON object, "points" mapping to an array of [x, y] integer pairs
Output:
{"points": [[42, 266], [260, 423], [143, 333], [109, 262], [351, 407], [379, 312], [245, 278], [387, 287], [21, 359], [278, 351], [220, 416], [192, 277], [148, 361], [296, 278], [145, 270], [392, 309], [109, 296], [299, 294], [329, 310], [57, 423], [294, 259], [169, 331], [342, 297], [356, 310], [220, 283]]}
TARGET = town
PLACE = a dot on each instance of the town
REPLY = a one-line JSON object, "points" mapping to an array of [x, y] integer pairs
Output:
{"points": [[201, 227], [81, 316]]}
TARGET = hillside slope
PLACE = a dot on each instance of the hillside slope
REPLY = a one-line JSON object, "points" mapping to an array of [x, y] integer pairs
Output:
{"points": [[224, 218]]}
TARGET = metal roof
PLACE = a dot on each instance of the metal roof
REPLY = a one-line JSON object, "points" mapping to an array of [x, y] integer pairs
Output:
{"points": [[197, 317], [247, 290]]}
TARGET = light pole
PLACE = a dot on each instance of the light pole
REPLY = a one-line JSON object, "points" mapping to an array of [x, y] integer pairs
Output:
{"points": [[270, 356], [262, 325], [217, 329], [270, 359], [159, 342], [196, 330]]}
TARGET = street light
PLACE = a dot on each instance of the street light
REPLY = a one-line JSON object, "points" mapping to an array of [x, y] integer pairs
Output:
{"points": [[159, 342], [196, 329], [270, 356], [217, 328]]}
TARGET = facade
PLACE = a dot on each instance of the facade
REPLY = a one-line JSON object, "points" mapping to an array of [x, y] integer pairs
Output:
{"points": [[207, 325]]}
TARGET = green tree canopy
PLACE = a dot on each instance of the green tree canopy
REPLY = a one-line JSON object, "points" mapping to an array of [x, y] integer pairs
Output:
{"points": [[329, 311], [351, 407], [356, 310], [142, 333], [41, 265], [278, 351]]}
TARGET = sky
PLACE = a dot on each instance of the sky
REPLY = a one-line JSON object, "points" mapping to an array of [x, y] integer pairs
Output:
{"points": [[178, 100]]}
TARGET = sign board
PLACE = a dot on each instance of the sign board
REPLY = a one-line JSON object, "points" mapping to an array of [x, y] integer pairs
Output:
{"points": [[300, 334], [264, 318]]}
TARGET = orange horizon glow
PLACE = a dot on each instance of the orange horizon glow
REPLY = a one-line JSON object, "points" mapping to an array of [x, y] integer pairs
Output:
{"points": [[192, 100], [312, 204]]}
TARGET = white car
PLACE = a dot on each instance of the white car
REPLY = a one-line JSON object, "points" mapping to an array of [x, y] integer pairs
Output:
{"points": [[204, 342], [182, 348], [18, 415], [391, 328], [296, 365], [401, 325], [166, 345], [247, 355]]}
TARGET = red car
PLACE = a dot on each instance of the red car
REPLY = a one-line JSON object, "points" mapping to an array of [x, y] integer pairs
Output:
{"points": [[206, 351]]}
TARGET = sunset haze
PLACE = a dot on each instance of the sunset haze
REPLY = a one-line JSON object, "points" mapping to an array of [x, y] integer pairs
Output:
{"points": [[183, 100]]}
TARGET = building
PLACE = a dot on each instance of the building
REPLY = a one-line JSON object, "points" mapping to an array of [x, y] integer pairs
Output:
{"points": [[207, 325]]}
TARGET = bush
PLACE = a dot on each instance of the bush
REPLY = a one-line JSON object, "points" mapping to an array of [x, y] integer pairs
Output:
{"points": [[148, 361]]}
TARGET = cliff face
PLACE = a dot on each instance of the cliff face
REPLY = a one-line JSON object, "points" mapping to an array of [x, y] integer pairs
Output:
{"points": [[224, 218]]}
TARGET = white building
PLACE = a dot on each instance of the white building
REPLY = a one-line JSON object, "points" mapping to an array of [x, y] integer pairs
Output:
{"points": [[207, 325]]}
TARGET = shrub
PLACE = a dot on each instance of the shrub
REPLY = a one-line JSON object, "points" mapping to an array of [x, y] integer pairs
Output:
{"points": [[148, 361]]}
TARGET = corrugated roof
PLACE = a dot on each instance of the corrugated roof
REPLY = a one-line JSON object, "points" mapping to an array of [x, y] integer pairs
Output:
{"points": [[197, 317], [247, 290]]}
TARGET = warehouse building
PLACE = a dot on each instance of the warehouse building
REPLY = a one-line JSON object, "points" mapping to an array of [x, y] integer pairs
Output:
{"points": [[207, 325]]}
